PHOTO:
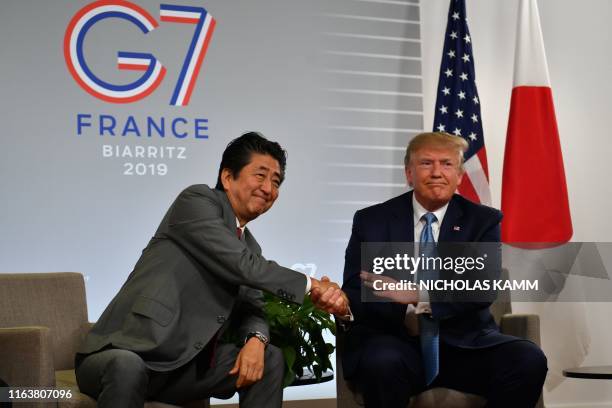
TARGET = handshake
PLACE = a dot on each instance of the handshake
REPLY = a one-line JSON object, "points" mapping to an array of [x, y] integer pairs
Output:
{"points": [[327, 295]]}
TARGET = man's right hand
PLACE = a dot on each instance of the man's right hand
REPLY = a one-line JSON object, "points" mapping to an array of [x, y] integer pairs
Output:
{"points": [[327, 295]]}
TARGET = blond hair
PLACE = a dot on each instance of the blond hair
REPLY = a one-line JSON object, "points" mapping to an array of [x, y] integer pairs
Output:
{"points": [[437, 140]]}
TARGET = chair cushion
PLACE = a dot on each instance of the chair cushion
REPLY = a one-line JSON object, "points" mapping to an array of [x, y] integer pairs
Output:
{"points": [[447, 398], [67, 379]]}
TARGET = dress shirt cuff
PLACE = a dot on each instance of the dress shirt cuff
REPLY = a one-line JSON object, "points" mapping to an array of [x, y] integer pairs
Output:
{"points": [[348, 317], [423, 307], [410, 308], [423, 296], [345, 321]]}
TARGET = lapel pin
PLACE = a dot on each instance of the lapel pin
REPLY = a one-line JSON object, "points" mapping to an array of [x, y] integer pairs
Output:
{"points": [[456, 228]]}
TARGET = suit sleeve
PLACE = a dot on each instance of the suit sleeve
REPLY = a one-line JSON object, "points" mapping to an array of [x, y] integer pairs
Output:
{"points": [[250, 309], [445, 309], [195, 223], [250, 312], [385, 315]]}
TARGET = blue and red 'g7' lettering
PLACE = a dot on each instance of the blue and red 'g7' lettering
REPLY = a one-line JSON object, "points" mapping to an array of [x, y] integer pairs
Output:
{"points": [[153, 71]]}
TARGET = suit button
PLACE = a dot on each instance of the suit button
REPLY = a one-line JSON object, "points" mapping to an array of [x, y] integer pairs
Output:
{"points": [[199, 345], [220, 319]]}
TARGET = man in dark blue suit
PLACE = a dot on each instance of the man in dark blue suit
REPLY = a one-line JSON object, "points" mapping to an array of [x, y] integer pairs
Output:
{"points": [[390, 354]]}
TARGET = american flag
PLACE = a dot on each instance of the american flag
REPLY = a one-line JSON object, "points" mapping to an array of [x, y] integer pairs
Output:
{"points": [[458, 106]]}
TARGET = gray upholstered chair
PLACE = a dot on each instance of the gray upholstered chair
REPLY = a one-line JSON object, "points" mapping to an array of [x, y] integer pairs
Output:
{"points": [[43, 318], [521, 325]]}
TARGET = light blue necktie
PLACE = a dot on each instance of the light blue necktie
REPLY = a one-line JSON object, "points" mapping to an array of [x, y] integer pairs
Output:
{"points": [[428, 327]]}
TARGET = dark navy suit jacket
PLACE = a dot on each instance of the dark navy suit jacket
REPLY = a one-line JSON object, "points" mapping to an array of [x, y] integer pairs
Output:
{"points": [[462, 324]]}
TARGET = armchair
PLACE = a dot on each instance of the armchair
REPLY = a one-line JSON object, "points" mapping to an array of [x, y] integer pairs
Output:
{"points": [[520, 325], [43, 319]]}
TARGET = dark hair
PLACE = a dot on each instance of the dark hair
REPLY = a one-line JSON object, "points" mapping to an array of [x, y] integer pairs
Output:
{"points": [[238, 153]]}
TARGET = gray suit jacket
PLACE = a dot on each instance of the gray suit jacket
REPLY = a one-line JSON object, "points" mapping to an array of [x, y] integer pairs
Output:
{"points": [[193, 273]]}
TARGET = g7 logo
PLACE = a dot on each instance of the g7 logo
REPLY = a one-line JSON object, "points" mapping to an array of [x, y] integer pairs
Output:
{"points": [[309, 268], [153, 70]]}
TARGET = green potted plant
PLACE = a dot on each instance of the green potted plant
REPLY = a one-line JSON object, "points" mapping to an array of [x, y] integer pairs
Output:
{"points": [[298, 331]]}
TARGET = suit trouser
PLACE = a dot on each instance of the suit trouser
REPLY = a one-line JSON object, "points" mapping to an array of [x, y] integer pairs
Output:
{"points": [[119, 378], [508, 375]]}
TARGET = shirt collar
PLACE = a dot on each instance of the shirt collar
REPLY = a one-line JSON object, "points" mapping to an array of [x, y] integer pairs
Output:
{"points": [[420, 211], [238, 226]]}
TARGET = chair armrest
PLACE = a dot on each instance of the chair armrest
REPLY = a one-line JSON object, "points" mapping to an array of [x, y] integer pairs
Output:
{"points": [[347, 395], [26, 354], [85, 329], [526, 326]]}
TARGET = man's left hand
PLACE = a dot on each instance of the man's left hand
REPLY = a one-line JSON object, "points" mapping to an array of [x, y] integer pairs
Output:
{"points": [[250, 363], [407, 296]]}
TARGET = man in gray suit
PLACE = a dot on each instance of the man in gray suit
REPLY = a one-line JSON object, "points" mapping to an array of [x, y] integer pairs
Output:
{"points": [[201, 272]]}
